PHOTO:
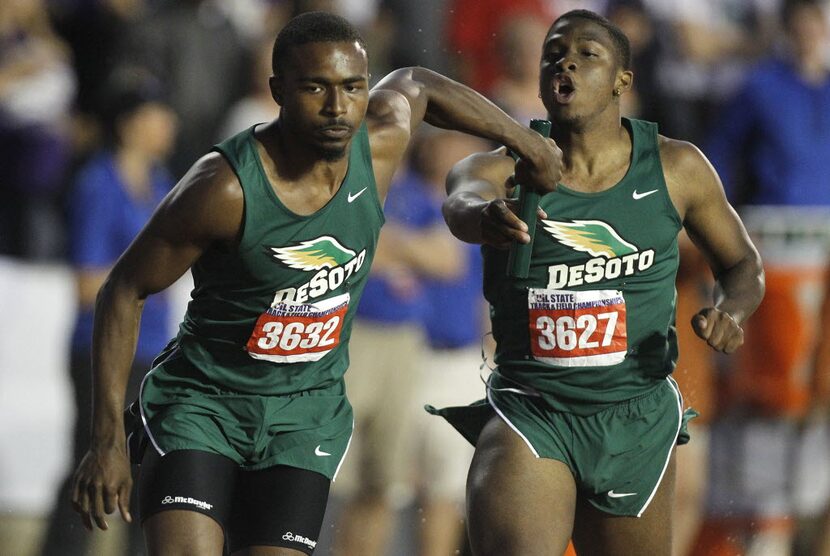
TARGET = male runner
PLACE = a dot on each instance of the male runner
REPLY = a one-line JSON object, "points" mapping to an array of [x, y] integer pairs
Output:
{"points": [[578, 436], [244, 415]]}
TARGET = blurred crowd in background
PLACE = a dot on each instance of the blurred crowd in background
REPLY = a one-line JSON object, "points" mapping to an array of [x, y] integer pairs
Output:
{"points": [[104, 104]]}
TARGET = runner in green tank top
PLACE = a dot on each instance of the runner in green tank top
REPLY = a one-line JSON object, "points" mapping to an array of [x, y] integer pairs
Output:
{"points": [[576, 437], [243, 420]]}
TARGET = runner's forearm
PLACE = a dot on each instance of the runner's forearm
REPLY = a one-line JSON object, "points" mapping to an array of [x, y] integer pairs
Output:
{"points": [[444, 103], [739, 290], [451, 105], [117, 317]]}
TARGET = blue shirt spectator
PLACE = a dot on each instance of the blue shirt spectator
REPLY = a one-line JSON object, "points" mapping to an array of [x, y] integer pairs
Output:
{"points": [[409, 206], [454, 310], [784, 122], [113, 196], [103, 220]]}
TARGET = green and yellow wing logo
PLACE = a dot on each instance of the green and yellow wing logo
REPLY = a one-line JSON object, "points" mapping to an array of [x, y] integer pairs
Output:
{"points": [[594, 237], [322, 252]]}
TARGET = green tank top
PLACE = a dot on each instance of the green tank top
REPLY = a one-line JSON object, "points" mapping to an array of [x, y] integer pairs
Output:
{"points": [[274, 315], [594, 321]]}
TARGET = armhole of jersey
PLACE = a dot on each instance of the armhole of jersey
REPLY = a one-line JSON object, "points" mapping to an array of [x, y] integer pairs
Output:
{"points": [[366, 152], [243, 233], [655, 138]]}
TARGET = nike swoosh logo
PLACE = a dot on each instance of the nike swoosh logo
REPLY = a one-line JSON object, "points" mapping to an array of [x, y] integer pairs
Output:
{"points": [[612, 494], [317, 450], [351, 197], [638, 196]]}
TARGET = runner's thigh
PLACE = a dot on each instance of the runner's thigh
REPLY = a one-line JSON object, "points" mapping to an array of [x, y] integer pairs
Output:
{"points": [[517, 504], [278, 507], [185, 500]]}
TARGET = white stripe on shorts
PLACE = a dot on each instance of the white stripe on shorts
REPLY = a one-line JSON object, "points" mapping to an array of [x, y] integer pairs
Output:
{"points": [[509, 424], [141, 405], [676, 391], [346, 451]]}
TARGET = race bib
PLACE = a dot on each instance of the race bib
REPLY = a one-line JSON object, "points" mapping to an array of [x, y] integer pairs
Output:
{"points": [[291, 332], [577, 329]]}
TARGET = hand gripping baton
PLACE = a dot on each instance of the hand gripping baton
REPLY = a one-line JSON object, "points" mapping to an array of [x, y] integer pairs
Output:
{"points": [[518, 260]]}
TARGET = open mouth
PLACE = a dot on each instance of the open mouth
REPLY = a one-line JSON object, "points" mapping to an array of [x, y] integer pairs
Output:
{"points": [[563, 89]]}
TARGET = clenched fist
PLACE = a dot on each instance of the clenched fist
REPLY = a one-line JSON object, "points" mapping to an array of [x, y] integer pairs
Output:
{"points": [[719, 329]]}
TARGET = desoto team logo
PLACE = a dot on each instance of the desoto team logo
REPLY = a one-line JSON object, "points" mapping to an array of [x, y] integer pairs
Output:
{"points": [[333, 262], [611, 255], [323, 252]]}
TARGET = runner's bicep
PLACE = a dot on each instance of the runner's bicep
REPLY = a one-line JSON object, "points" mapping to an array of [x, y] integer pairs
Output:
{"points": [[155, 261], [201, 211], [710, 221]]}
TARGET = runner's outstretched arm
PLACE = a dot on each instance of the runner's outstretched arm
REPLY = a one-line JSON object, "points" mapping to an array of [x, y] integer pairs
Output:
{"points": [[409, 96]]}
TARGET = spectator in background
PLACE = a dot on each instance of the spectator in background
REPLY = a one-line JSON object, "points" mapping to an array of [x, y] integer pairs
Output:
{"points": [[94, 32], [473, 32], [780, 118], [194, 49], [562, 6], [36, 91], [257, 106], [303, 6], [114, 195], [254, 20], [418, 36], [387, 354], [516, 89], [634, 19], [771, 145], [454, 321], [707, 45]]}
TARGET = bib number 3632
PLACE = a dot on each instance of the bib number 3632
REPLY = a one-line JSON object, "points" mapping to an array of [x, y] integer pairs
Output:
{"points": [[570, 328], [294, 332]]}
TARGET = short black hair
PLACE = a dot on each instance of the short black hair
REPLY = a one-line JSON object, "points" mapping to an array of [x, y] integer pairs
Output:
{"points": [[789, 7], [312, 27], [621, 43], [125, 90]]}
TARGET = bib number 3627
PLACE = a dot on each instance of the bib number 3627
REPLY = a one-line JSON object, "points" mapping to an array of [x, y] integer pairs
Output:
{"points": [[570, 328], [294, 332]]}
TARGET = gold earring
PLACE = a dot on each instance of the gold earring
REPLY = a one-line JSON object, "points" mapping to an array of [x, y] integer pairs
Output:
{"points": [[617, 92]]}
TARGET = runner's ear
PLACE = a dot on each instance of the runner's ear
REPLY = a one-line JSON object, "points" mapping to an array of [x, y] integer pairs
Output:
{"points": [[624, 81], [275, 84]]}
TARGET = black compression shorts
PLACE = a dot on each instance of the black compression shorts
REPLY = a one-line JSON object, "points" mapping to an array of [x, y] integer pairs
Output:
{"points": [[278, 506]]}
